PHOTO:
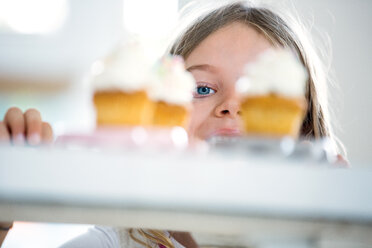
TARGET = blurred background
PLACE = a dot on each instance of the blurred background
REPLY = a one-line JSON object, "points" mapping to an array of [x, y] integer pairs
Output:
{"points": [[47, 48]]}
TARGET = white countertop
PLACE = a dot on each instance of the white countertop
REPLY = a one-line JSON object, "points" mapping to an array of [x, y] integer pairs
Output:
{"points": [[218, 192]]}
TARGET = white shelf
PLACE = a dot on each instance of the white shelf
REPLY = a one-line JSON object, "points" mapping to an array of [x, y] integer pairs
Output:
{"points": [[210, 192]]}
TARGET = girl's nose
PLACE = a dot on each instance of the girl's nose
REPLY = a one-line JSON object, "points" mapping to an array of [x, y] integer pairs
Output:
{"points": [[229, 107]]}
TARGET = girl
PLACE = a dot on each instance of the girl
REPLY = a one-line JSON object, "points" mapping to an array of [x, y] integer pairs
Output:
{"points": [[215, 48]]}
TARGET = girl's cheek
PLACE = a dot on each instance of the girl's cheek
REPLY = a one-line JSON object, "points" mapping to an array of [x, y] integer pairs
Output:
{"points": [[199, 117], [194, 119]]}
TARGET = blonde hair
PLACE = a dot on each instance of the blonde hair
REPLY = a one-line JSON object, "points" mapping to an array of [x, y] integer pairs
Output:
{"points": [[147, 237], [282, 30]]}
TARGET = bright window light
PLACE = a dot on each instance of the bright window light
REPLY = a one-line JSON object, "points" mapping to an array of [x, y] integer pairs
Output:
{"points": [[149, 17], [33, 16]]}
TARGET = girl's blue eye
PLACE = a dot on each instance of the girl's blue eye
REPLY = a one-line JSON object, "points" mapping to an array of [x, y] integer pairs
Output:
{"points": [[204, 90]]}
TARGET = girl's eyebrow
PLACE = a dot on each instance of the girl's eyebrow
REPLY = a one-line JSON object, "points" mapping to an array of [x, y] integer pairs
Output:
{"points": [[202, 67]]}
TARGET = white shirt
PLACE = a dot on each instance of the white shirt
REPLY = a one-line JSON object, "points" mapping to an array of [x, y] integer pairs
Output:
{"points": [[109, 237]]}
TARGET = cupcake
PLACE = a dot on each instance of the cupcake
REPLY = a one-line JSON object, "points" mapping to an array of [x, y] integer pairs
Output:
{"points": [[171, 89], [121, 90], [273, 94]]}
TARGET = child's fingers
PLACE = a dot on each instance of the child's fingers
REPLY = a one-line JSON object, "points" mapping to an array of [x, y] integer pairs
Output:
{"points": [[14, 121], [33, 126], [4, 133], [16, 125], [46, 133]]}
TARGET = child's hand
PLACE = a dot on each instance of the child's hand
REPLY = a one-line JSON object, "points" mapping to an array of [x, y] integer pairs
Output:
{"points": [[19, 128]]}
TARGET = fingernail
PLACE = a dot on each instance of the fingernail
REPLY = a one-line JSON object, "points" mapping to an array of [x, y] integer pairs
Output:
{"points": [[19, 139], [34, 139]]}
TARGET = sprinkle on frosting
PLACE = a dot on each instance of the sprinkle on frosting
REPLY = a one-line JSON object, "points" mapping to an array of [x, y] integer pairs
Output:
{"points": [[275, 71], [170, 82]]}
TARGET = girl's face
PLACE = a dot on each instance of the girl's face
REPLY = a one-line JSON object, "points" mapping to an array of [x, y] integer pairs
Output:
{"points": [[216, 64]]}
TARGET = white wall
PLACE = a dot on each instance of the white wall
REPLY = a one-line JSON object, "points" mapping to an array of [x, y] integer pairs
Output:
{"points": [[48, 71]]}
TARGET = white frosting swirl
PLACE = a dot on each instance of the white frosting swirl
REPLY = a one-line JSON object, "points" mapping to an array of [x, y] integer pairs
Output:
{"points": [[170, 82], [126, 69], [275, 71]]}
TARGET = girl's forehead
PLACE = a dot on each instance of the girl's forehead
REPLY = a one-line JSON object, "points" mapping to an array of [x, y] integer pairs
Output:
{"points": [[236, 43]]}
